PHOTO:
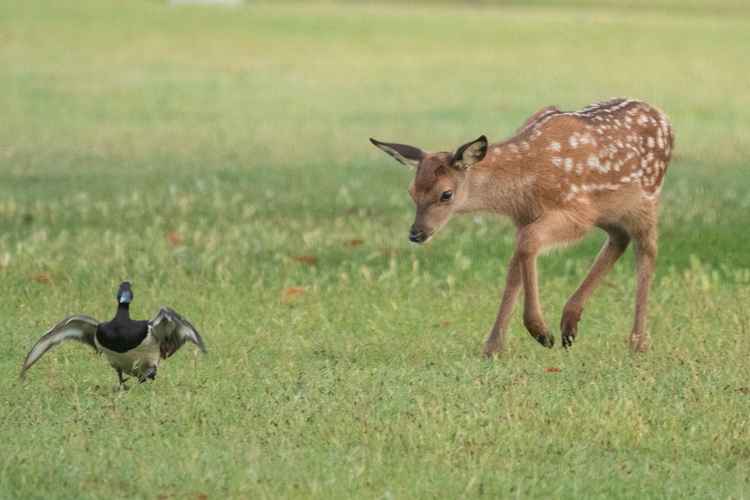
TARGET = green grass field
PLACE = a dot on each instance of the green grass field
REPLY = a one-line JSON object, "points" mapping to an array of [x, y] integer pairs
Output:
{"points": [[219, 159]]}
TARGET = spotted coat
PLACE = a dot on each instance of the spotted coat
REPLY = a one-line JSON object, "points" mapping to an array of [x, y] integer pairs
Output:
{"points": [[605, 147]]}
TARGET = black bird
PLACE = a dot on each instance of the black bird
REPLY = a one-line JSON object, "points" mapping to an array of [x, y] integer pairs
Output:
{"points": [[132, 347]]}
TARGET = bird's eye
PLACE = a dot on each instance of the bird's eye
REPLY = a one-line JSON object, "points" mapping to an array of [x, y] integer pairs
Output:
{"points": [[446, 196]]}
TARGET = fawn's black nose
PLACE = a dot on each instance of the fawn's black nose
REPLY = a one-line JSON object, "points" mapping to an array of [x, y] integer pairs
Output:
{"points": [[417, 235]]}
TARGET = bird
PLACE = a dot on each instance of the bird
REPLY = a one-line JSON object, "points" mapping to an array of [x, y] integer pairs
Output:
{"points": [[132, 347]]}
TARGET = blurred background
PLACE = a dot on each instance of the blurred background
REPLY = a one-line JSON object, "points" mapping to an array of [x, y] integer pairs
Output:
{"points": [[274, 102]]}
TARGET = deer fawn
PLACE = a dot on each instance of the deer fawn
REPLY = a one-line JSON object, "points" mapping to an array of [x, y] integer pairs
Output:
{"points": [[561, 174]]}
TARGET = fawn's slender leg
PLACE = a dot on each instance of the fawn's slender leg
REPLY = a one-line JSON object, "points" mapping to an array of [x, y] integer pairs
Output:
{"points": [[546, 231], [496, 340], [612, 250], [645, 255]]}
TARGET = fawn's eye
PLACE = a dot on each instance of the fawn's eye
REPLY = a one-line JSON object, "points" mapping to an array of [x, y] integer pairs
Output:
{"points": [[446, 196]]}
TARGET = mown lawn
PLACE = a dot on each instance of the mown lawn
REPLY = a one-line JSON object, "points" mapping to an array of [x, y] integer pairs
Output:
{"points": [[218, 158]]}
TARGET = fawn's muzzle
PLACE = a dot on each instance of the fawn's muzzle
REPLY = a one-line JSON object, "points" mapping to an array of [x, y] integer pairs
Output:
{"points": [[417, 235]]}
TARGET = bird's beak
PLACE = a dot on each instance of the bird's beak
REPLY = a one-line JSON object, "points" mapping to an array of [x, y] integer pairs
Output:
{"points": [[126, 297]]}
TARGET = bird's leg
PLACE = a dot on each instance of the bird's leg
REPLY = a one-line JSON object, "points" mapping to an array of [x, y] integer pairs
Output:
{"points": [[148, 374], [121, 379]]}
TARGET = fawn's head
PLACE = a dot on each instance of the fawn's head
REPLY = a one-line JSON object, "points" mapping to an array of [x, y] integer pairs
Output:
{"points": [[438, 189]]}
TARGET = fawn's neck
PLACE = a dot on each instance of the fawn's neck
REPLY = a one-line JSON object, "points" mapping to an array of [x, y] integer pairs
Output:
{"points": [[503, 183]]}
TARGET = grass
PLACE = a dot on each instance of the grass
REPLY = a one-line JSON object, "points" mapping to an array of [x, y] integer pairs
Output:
{"points": [[200, 152]]}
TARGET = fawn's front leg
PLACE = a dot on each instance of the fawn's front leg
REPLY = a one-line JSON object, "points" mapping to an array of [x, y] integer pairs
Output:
{"points": [[495, 342], [548, 230], [533, 319]]}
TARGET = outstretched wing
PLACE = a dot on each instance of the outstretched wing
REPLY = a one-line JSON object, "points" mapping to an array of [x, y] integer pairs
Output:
{"points": [[172, 330], [80, 328]]}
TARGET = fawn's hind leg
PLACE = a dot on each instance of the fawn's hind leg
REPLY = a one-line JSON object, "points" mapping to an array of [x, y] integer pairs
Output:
{"points": [[645, 259], [612, 250]]}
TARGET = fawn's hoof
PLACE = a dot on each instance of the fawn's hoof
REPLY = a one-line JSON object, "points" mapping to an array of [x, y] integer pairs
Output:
{"points": [[547, 341], [638, 343], [493, 346], [567, 341], [489, 353], [569, 326]]}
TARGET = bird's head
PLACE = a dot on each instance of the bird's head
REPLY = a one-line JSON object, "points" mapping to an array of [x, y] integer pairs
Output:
{"points": [[124, 293]]}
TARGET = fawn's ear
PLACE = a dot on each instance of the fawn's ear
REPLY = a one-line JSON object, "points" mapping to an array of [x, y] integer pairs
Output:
{"points": [[470, 153], [408, 155]]}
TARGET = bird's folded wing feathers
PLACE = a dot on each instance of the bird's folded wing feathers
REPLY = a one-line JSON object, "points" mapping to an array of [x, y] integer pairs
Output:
{"points": [[80, 328], [172, 330]]}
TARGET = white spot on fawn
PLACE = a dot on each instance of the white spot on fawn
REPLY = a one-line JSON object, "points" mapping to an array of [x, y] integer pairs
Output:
{"points": [[554, 146], [593, 162], [572, 193]]}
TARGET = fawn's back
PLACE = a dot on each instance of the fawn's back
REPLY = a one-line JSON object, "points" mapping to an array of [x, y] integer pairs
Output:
{"points": [[601, 158]]}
